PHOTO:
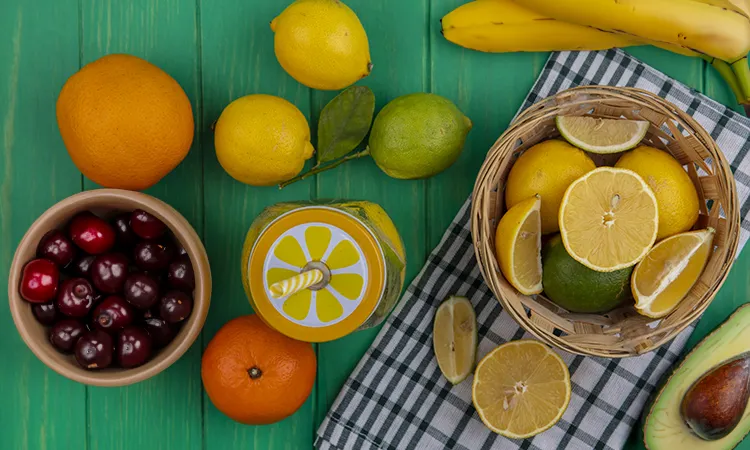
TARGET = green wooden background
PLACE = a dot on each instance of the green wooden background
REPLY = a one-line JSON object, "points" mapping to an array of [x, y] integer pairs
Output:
{"points": [[219, 50]]}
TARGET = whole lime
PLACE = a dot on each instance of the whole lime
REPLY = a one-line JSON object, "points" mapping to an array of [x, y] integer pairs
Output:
{"points": [[418, 136], [577, 288]]}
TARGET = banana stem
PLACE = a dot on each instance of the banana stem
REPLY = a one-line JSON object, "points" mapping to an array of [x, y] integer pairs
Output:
{"points": [[742, 72], [318, 169], [725, 70]]}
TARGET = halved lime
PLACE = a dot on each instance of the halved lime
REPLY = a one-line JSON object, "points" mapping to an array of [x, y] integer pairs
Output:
{"points": [[454, 337], [601, 136]]}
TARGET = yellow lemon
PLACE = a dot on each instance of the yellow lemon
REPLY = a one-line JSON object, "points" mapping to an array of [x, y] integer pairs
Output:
{"points": [[262, 140], [518, 245], [546, 169], [674, 191], [321, 44]]}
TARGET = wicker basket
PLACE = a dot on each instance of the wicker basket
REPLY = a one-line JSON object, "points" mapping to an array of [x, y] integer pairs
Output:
{"points": [[622, 332]]}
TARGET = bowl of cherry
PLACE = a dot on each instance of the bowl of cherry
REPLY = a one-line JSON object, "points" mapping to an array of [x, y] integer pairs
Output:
{"points": [[110, 287]]}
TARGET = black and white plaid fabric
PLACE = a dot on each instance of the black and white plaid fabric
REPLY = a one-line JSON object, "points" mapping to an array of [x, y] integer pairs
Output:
{"points": [[396, 398]]}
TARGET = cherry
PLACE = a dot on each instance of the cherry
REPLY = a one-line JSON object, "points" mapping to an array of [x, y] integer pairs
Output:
{"points": [[76, 297], [56, 247], [153, 255], [161, 332], [109, 272], [125, 236], [180, 274], [145, 225], [45, 313], [91, 233], [113, 314], [39, 281], [141, 290], [175, 306], [94, 350], [133, 347], [65, 333], [82, 266]]}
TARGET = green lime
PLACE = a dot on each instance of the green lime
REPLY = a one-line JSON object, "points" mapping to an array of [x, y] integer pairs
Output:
{"points": [[418, 136], [577, 288]]}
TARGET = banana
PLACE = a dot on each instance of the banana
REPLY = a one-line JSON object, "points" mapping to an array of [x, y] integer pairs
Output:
{"points": [[738, 6], [502, 26], [701, 27]]}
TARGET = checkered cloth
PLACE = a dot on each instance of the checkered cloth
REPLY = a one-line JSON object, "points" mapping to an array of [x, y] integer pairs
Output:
{"points": [[396, 398]]}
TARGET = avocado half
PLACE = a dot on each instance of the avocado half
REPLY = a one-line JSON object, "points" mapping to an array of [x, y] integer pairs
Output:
{"points": [[663, 427]]}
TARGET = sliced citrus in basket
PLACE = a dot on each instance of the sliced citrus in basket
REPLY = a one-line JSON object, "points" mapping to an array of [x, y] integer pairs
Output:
{"points": [[454, 337], [669, 271], [518, 246], [601, 136], [521, 388], [608, 219]]}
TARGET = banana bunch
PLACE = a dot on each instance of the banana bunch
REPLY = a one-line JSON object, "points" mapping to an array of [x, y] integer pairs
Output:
{"points": [[715, 30]]}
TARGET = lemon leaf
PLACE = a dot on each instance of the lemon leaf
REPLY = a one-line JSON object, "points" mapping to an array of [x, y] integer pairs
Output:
{"points": [[344, 122]]}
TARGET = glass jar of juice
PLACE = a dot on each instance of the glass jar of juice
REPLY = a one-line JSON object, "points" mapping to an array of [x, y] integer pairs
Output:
{"points": [[317, 272]]}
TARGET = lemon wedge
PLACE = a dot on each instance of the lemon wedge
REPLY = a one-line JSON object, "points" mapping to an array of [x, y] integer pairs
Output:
{"points": [[518, 244], [454, 338], [601, 136]]}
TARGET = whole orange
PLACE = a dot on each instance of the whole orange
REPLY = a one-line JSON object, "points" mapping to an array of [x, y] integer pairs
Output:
{"points": [[256, 375], [125, 122]]}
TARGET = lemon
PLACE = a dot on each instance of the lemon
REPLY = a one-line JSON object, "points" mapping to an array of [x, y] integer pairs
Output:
{"points": [[601, 136], [608, 219], [521, 388], [262, 140], [675, 192], [669, 271], [454, 338], [518, 244], [321, 44], [546, 169], [417, 136]]}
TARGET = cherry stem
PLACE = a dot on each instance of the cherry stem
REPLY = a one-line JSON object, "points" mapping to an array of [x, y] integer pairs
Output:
{"points": [[254, 373], [318, 168]]}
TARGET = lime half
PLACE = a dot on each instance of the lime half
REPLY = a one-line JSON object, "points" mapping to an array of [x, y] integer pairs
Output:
{"points": [[454, 337], [601, 136]]}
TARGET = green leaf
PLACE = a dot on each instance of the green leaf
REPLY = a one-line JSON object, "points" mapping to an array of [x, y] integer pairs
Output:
{"points": [[344, 123]]}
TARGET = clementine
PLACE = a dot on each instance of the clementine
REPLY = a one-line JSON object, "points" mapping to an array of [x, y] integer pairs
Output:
{"points": [[256, 375], [125, 122]]}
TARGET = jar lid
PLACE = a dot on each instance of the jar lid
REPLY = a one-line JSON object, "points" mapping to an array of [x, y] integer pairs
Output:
{"points": [[323, 238]]}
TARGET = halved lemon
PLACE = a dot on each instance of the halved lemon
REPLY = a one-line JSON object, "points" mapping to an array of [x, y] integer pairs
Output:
{"points": [[454, 337], [518, 245], [601, 136], [609, 219], [669, 271], [521, 388]]}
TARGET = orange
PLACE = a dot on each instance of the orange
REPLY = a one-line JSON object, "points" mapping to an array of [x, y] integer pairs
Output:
{"points": [[256, 375], [125, 122]]}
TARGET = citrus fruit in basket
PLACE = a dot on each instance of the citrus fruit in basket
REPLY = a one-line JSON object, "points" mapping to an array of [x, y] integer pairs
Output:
{"points": [[674, 190], [521, 388], [546, 169], [608, 219], [125, 122], [602, 136], [256, 375], [669, 271], [262, 140], [577, 288], [417, 136], [518, 245], [454, 338]]}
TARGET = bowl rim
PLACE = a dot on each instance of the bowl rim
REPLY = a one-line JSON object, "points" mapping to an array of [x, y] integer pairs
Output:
{"points": [[182, 231]]}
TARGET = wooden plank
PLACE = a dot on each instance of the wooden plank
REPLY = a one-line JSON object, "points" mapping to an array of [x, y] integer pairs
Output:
{"points": [[40, 409], [165, 411], [238, 59]]}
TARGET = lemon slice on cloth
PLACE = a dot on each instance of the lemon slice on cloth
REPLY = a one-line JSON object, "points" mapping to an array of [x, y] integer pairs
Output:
{"points": [[454, 338], [601, 136], [609, 219], [518, 244], [521, 388], [669, 271]]}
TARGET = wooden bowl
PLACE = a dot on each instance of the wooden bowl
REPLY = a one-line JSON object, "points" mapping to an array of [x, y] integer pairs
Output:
{"points": [[622, 332], [106, 203]]}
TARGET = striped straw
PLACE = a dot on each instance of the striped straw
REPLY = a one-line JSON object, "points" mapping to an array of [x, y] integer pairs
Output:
{"points": [[296, 283]]}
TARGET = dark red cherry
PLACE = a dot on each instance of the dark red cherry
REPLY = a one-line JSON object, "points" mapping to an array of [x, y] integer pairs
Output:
{"points": [[146, 226], [133, 347], [76, 297], [56, 247], [94, 350], [180, 274], [109, 272], [64, 334], [153, 255], [125, 237], [141, 290], [91, 233], [45, 313], [39, 281], [113, 314], [161, 332], [175, 306], [82, 266]]}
